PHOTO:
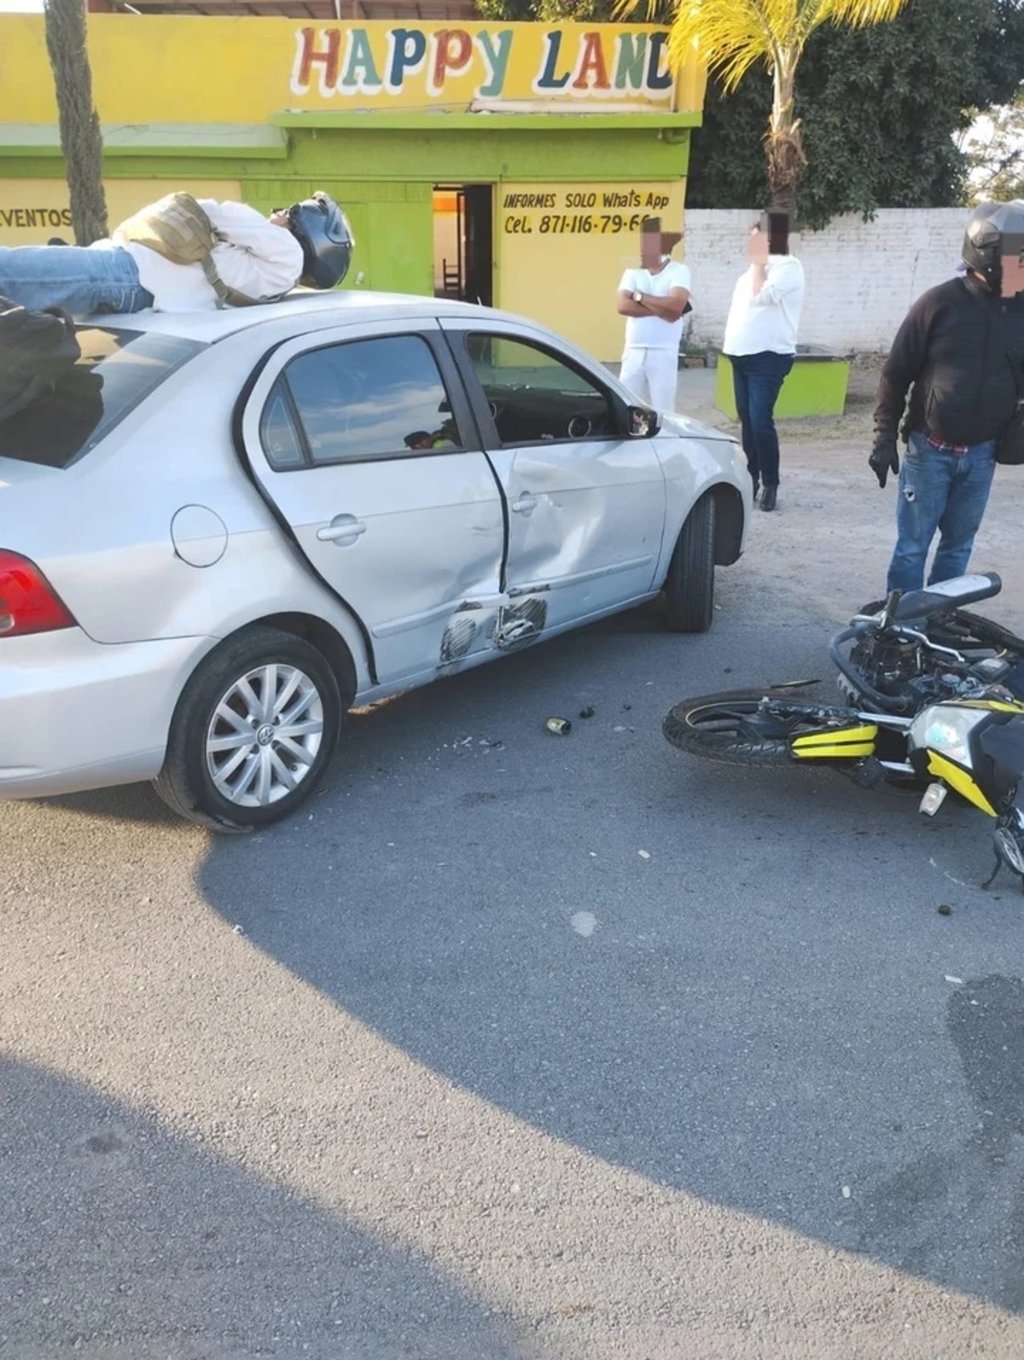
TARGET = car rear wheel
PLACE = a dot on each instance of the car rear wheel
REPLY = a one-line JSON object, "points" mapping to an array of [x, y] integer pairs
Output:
{"points": [[253, 732], [690, 584]]}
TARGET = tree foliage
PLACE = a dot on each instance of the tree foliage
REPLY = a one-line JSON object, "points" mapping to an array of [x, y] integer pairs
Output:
{"points": [[882, 109], [879, 108], [994, 150], [737, 36], [80, 137]]}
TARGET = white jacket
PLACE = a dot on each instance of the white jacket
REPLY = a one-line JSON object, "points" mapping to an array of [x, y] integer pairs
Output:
{"points": [[770, 319], [256, 258]]}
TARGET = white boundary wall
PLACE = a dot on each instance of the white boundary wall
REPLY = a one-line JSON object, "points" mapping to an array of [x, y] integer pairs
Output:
{"points": [[861, 276]]}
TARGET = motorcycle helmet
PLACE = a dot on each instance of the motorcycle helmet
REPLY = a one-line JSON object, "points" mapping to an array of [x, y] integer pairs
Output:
{"points": [[323, 232], [993, 230]]}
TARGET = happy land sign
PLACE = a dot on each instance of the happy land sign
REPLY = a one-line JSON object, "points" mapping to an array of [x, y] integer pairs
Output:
{"points": [[447, 65], [179, 70]]}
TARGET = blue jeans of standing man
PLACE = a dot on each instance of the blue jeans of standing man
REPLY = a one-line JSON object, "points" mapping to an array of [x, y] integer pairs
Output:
{"points": [[756, 381], [82, 280], [940, 491]]}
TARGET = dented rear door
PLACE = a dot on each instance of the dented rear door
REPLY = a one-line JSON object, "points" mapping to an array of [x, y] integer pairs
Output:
{"points": [[361, 440]]}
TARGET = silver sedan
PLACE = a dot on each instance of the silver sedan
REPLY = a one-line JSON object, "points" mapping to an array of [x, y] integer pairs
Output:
{"points": [[225, 529]]}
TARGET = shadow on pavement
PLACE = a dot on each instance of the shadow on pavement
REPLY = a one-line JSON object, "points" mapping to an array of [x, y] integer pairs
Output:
{"points": [[733, 983], [124, 1240], [729, 982]]}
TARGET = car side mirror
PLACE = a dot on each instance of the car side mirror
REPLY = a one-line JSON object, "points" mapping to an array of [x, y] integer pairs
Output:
{"points": [[642, 422]]}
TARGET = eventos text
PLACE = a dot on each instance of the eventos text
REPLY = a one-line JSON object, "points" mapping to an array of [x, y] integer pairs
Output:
{"points": [[35, 217]]}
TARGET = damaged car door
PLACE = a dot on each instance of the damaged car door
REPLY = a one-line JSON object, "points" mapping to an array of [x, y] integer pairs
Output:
{"points": [[367, 449], [586, 499]]}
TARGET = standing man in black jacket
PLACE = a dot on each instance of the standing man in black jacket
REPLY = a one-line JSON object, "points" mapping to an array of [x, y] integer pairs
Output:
{"points": [[960, 350]]}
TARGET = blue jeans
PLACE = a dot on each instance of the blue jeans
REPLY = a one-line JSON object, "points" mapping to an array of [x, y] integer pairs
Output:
{"points": [[944, 491], [756, 381], [80, 279]]}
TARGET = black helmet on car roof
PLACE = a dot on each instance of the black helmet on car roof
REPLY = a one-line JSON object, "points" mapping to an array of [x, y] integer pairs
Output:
{"points": [[988, 238], [323, 232]]}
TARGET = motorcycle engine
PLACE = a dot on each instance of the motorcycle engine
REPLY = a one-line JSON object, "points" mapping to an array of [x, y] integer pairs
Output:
{"points": [[887, 665]]}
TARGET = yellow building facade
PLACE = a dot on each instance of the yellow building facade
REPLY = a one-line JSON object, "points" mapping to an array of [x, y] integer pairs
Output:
{"points": [[510, 163]]}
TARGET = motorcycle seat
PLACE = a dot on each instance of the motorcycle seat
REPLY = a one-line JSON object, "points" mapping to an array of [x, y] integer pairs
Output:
{"points": [[944, 596]]}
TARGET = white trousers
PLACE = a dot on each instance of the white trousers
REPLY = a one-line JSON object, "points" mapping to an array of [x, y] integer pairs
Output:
{"points": [[652, 375]]}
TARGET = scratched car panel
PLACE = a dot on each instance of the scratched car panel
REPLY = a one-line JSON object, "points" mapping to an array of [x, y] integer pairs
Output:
{"points": [[403, 487]]}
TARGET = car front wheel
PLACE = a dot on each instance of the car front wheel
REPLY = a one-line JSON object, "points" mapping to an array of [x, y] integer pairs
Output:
{"points": [[253, 732], [690, 584]]}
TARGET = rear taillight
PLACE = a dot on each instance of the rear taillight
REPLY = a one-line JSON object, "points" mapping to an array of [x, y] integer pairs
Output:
{"points": [[28, 603]]}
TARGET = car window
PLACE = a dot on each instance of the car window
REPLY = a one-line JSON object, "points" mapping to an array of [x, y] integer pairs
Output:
{"points": [[116, 371], [535, 395], [363, 399], [278, 434]]}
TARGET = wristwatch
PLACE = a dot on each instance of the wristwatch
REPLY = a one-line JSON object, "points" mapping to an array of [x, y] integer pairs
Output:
{"points": [[638, 297]]}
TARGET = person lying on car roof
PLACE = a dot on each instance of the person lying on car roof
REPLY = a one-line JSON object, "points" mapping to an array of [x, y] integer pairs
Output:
{"points": [[182, 254]]}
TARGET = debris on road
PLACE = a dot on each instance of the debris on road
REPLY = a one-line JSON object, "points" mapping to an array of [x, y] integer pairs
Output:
{"points": [[957, 982], [644, 854], [945, 909], [584, 923], [587, 711], [559, 727]]}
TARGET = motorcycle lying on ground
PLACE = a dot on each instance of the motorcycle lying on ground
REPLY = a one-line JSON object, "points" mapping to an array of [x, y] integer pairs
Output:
{"points": [[934, 697]]}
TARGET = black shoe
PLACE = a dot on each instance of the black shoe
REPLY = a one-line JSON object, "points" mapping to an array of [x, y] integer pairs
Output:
{"points": [[768, 497]]}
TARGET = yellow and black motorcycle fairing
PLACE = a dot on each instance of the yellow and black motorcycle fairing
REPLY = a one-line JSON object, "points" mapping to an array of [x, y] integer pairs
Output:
{"points": [[974, 746], [855, 742]]}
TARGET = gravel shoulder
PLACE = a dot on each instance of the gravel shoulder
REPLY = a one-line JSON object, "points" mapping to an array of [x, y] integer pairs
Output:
{"points": [[826, 549]]}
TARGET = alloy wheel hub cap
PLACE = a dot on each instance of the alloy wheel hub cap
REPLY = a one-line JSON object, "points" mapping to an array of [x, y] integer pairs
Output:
{"points": [[264, 735]]}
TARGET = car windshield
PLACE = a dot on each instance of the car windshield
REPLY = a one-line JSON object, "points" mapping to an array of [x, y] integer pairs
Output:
{"points": [[117, 369]]}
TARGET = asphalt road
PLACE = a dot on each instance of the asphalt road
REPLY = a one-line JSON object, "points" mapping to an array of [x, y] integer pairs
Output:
{"points": [[531, 1047]]}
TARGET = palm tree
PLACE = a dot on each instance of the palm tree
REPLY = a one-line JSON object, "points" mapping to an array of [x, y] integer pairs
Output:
{"points": [[80, 137], [733, 35]]}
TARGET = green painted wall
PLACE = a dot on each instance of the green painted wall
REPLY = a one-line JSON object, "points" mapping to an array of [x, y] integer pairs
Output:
{"points": [[412, 156], [393, 225], [384, 177]]}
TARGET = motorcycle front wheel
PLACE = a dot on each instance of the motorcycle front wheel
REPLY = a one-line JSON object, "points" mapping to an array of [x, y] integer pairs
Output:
{"points": [[734, 729]]}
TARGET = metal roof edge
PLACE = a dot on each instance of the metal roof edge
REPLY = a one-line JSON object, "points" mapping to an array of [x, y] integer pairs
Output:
{"points": [[462, 120], [155, 139]]}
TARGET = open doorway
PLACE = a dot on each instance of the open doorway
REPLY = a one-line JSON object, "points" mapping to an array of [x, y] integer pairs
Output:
{"points": [[464, 242]]}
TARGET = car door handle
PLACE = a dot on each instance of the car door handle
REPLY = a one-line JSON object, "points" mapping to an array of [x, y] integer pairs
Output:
{"points": [[525, 504], [343, 529]]}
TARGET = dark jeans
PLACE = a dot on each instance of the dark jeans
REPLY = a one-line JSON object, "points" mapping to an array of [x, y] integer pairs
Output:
{"points": [[756, 381], [940, 491]]}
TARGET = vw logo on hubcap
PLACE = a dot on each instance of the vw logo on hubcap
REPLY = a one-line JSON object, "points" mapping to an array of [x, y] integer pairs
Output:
{"points": [[265, 734]]}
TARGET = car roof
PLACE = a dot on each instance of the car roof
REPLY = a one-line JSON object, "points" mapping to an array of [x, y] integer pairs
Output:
{"points": [[340, 307]]}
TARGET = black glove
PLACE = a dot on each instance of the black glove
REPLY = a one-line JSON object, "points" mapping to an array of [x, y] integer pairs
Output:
{"points": [[883, 458]]}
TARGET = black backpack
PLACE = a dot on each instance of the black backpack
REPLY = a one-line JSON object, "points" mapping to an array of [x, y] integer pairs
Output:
{"points": [[37, 348]]}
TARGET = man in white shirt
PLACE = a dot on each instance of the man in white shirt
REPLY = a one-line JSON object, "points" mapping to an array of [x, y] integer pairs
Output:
{"points": [[255, 256], [653, 299], [760, 344]]}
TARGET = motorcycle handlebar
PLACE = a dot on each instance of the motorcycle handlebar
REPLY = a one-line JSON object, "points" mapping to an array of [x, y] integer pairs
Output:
{"points": [[883, 701], [876, 623], [891, 601]]}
